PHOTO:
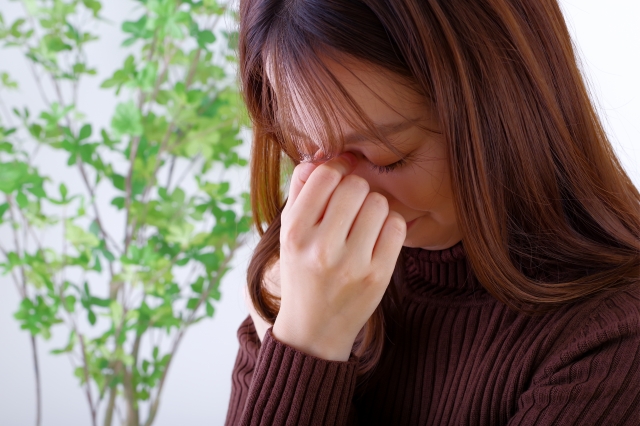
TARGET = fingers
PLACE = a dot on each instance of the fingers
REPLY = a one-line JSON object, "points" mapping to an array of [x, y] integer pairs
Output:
{"points": [[390, 240], [298, 178], [345, 203], [309, 198], [368, 225]]}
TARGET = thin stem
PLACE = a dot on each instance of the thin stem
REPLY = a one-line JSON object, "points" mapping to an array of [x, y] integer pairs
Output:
{"points": [[108, 415], [173, 163], [28, 228], [24, 295], [36, 369], [132, 409], [85, 369], [16, 241], [31, 64], [133, 152], [6, 112], [186, 171], [34, 153], [91, 190], [15, 280], [36, 77]]}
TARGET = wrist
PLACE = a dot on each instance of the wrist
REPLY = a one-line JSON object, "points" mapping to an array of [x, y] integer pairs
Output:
{"points": [[323, 344]]}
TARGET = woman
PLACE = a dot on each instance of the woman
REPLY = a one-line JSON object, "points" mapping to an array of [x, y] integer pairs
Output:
{"points": [[460, 244]]}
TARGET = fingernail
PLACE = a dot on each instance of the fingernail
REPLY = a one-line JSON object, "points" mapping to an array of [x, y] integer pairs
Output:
{"points": [[351, 159], [305, 171]]}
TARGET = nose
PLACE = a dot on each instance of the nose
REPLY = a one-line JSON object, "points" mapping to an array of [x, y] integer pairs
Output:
{"points": [[375, 180]]}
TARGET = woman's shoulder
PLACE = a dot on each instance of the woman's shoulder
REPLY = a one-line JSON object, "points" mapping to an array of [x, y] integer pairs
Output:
{"points": [[605, 325], [610, 307]]}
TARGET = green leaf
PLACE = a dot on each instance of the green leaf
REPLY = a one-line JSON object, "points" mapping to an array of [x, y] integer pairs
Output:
{"points": [[6, 147], [3, 208], [12, 176], [22, 201], [85, 132], [54, 43], [210, 309], [15, 28], [97, 266], [70, 344], [116, 311], [137, 28], [80, 238], [127, 120], [118, 202], [198, 285], [70, 303], [63, 191], [118, 182], [6, 81], [93, 5], [192, 303], [205, 37], [97, 301], [91, 317]]}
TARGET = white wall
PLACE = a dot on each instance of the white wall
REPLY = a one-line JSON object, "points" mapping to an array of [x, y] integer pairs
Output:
{"points": [[198, 386]]}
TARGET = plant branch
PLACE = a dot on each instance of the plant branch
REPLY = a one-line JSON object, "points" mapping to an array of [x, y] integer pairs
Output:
{"points": [[85, 369], [16, 241], [133, 152], [29, 229], [91, 190], [36, 369], [6, 112], [173, 163], [204, 296], [14, 278]]}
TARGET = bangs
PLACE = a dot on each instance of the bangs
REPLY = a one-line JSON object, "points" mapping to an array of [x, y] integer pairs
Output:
{"points": [[309, 106]]}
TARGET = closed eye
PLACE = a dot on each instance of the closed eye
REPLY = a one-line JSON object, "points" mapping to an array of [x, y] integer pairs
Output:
{"points": [[391, 167]]}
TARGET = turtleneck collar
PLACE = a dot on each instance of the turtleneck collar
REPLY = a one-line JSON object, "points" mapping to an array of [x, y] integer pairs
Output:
{"points": [[438, 273]]}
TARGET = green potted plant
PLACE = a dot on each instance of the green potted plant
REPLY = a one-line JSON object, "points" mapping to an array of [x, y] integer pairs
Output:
{"points": [[178, 110]]}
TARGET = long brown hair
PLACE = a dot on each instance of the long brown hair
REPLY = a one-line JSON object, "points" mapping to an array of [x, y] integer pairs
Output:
{"points": [[548, 214]]}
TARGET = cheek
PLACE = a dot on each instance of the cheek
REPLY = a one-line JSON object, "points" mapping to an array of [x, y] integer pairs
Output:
{"points": [[422, 189]]}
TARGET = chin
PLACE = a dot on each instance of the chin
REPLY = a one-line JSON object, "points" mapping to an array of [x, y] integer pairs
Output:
{"points": [[427, 244]]}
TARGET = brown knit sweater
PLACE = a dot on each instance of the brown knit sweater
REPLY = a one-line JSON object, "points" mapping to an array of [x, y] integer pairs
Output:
{"points": [[458, 357]]}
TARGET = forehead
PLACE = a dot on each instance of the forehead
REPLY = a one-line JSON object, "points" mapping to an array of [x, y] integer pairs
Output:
{"points": [[315, 100]]}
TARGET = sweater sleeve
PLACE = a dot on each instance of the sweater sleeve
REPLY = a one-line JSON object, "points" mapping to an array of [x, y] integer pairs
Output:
{"points": [[284, 386], [243, 369], [594, 378]]}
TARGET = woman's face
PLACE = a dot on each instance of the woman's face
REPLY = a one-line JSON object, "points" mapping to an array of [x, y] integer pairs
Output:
{"points": [[420, 189]]}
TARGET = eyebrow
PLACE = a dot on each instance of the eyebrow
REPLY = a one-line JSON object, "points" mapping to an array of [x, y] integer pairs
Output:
{"points": [[386, 129]]}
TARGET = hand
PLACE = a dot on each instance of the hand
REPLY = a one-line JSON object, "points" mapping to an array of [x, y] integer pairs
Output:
{"points": [[338, 248]]}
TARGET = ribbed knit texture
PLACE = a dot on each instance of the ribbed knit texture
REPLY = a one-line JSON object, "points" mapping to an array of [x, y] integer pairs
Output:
{"points": [[457, 357]]}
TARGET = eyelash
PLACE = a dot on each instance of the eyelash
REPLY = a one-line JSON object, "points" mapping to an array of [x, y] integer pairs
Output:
{"points": [[390, 167]]}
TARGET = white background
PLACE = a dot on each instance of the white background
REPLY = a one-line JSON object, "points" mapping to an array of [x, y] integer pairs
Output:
{"points": [[607, 35]]}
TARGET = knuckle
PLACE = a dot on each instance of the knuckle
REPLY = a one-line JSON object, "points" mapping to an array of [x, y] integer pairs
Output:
{"points": [[397, 224], [371, 279], [351, 276], [291, 237], [322, 257], [329, 174], [358, 183], [378, 202]]}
